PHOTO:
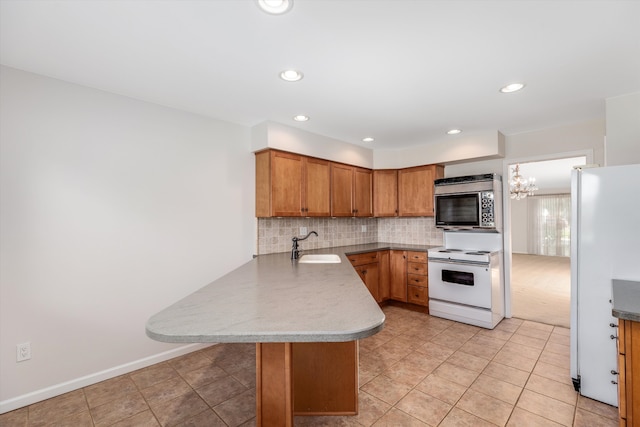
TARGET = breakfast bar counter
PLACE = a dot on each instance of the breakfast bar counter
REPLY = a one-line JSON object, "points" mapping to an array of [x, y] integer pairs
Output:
{"points": [[304, 318]]}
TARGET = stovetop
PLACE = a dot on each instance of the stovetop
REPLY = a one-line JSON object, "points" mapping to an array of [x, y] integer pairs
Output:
{"points": [[460, 254]]}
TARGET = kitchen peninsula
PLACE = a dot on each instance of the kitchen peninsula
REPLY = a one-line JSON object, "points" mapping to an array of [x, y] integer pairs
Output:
{"points": [[305, 318]]}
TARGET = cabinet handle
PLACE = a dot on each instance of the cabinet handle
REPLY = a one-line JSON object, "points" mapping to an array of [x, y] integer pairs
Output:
{"points": [[613, 372], [613, 325], [614, 382], [613, 337]]}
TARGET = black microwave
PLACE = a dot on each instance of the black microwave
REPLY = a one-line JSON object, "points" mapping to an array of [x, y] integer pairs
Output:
{"points": [[469, 203]]}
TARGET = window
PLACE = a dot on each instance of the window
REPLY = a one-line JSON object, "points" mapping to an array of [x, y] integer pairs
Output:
{"points": [[549, 230]]}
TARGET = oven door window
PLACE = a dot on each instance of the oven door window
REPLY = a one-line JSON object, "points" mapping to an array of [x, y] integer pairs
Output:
{"points": [[457, 277]]}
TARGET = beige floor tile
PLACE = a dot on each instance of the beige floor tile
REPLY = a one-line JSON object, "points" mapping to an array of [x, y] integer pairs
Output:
{"points": [[424, 407], [386, 389], [57, 408], [557, 390], [207, 418], [441, 388], [559, 360], [143, 419], [534, 332], [561, 331], [203, 376], [82, 419], [370, 409], [537, 325], [397, 418], [553, 372], [166, 390], [480, 350], [451, 341], [221, 390], [392, 351], [559, 339], [459, 418], [499, 389], [154, 374], [598, 407], [506, 373], [496, 333], [486, 407], [105, 391], [457, 374], [425, 363], [515, 360], [239, 409], [522, 418], [118, 409], [436, 351], [558, 348], [179, 409], [16, 418], [468, 361], [408, 372], [190, 362], [585, 418], [528, 341], [546, 407], [522, 350]]}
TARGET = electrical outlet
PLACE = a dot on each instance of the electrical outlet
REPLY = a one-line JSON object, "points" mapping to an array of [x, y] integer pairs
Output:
{"points": [[303, 231], [364, 228], [23, 351]]}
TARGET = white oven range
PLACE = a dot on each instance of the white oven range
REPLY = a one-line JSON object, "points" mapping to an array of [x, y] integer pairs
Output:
{"points": [[466, 285]]}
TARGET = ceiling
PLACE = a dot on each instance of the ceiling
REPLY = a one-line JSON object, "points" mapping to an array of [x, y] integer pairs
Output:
{"points": [[551, 176], [403, 72]]}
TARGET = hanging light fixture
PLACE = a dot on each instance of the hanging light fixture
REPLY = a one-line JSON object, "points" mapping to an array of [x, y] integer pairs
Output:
{"points": [[520, 187]]}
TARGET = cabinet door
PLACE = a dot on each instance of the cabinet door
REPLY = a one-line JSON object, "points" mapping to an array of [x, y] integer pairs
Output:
{"points": [[286, 184], [385, 193], [362, 192], [415, 190], [369, 275], [398, 273], [341, 190], [383, 275], [317, 185]]}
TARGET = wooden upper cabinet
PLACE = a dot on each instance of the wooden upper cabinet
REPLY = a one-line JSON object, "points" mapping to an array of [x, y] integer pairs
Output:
{"points": [[415, 190], [351, 191], [317, 187], [362, 192], [385, 193], [291, 185]]}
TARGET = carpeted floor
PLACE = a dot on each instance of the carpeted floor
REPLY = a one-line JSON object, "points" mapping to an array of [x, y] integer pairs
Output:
{"points": [[541, 288]]}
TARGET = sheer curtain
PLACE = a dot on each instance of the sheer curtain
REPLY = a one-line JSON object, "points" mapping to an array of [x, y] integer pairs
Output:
{"points": [[549, 224]]}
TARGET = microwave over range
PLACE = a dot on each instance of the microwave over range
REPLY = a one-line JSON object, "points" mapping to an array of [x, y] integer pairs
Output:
{"points": [[469, 203]]}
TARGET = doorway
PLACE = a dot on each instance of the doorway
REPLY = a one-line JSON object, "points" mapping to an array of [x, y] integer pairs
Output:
{"points": [[539, 266]]}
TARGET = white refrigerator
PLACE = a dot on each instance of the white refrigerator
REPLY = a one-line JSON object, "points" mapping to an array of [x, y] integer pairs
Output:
{"points": [[605, 245]]}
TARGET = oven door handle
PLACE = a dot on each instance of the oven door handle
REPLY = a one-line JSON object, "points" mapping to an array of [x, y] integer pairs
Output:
{"points": [[460, 262]]}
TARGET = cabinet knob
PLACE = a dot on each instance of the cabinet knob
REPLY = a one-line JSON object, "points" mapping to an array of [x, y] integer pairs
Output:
{"points": [[613, 325], [613, 372], [613, 337], [614, 382]]}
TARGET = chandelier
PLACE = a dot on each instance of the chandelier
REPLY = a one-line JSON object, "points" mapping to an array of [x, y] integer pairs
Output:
{"points": [[520, 187]]}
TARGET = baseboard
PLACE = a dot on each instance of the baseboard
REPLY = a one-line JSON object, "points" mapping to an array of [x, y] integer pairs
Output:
{"points": [[75, 384]]}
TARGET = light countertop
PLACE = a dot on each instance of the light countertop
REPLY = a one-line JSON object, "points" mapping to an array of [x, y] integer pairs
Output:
{"points": [[626, 299], [274, 299]]}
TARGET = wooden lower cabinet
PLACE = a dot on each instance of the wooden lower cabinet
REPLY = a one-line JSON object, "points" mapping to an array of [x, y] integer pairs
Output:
{"points": [[417, 278], [305, 379], [370, 276], [629, 372], [398, 275], [384, 275]]}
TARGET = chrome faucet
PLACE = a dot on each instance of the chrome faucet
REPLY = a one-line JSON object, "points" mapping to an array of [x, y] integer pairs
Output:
{"points": [[295, 252]]}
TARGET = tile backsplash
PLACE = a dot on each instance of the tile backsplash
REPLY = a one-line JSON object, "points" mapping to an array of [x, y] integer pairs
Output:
{"points": [[274, 234]]}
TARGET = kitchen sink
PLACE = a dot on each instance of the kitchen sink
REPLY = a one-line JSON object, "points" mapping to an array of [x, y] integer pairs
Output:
{"points": [[320, 259]]}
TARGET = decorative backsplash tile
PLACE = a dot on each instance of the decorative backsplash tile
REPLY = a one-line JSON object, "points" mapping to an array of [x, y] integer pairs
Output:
{"points": [[274, 234]]}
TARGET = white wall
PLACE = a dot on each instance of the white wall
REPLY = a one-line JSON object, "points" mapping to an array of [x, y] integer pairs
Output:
{"points": [[286, 138], [519, 225], [112, 209], [623, 130]]}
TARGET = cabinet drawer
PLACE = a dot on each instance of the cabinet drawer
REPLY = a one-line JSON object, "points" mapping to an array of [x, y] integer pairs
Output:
{"points": [[418, 280], [361, 259], [417, 257], [417, 295], [415, 268]]}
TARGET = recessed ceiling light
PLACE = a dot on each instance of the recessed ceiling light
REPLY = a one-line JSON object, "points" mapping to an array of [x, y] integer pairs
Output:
{"points": [[453, 131], [275, 7], [291, 75], [300, 118], [513, 87], [367, 139]]}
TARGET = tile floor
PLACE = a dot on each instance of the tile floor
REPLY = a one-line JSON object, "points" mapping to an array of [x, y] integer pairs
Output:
{"points": [[419, 371]]}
